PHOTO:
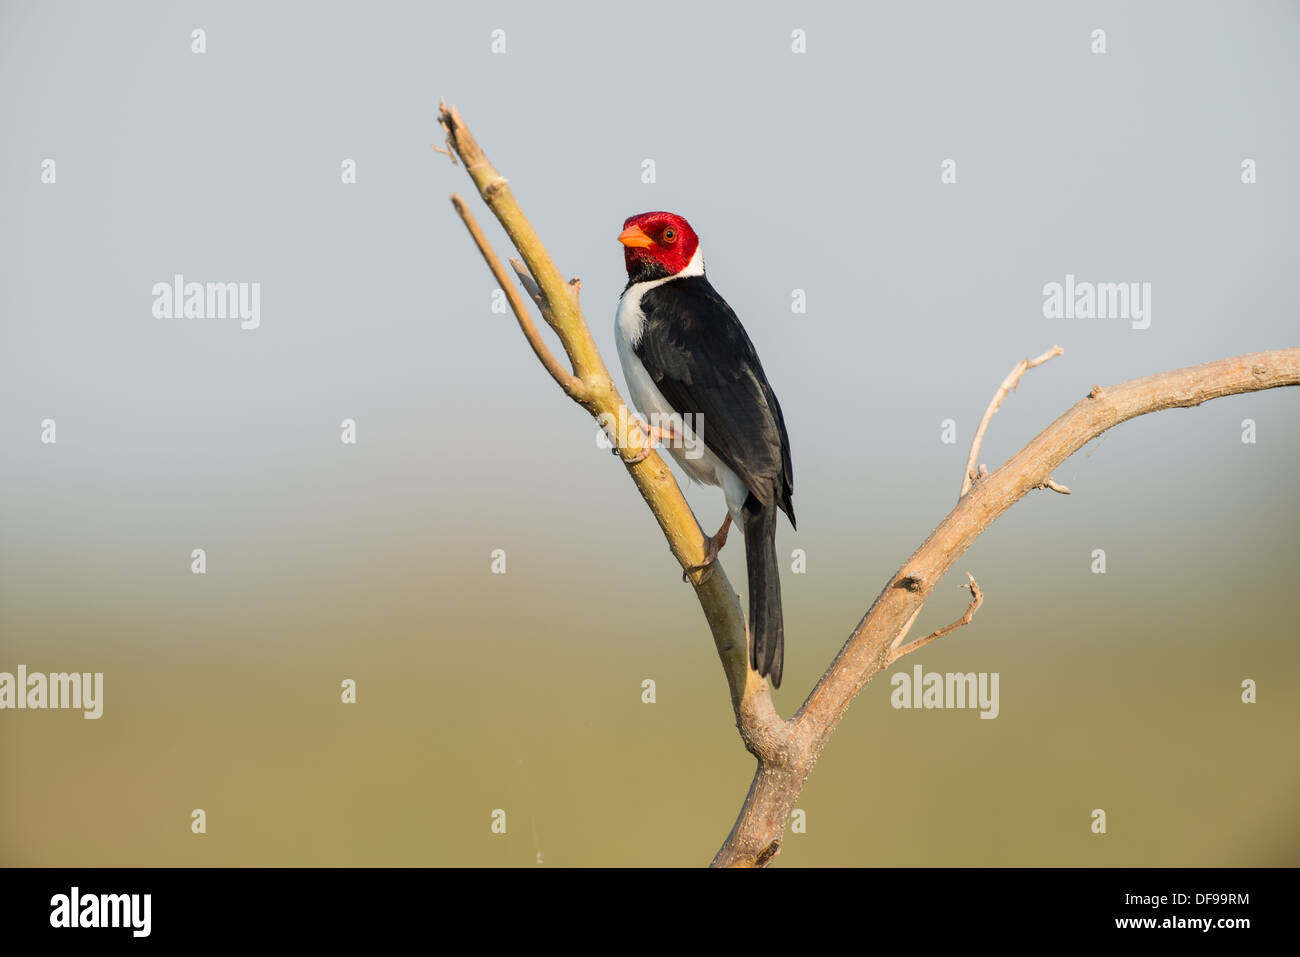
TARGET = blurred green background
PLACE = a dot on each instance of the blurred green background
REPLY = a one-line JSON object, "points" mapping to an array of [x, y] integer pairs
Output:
{"points": [[522, 691]]}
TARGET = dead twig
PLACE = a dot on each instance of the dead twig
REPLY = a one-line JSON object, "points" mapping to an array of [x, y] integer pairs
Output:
{"points": [[976, 599], [1009, 385], [566, 380]]}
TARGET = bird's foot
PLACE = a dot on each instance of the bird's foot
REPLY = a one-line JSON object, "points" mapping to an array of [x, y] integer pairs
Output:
{"points": [[715, 544], [654, 435]]}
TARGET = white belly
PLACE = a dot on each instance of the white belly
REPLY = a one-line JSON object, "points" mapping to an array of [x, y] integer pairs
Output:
{"points": [[692, 454]]}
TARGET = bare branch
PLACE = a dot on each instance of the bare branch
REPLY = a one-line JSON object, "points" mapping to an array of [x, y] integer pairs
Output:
{"points": [[1055, 486], [976, 599], [567, 380], [788, 750], [868, 649], [559, 305], [1009, 385], [761, 728]]}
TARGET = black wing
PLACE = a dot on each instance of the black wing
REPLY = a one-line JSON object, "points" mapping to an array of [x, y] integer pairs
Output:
{"points": [[702, 362]]}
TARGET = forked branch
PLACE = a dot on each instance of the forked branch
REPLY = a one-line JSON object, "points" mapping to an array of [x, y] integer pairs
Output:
{"points": [[1009, 385], [788, 750], [897, 649], [590, 386]]}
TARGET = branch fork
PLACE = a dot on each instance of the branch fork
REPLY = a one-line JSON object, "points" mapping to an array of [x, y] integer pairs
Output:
{"points": [[787, 750], [1010, 384]]}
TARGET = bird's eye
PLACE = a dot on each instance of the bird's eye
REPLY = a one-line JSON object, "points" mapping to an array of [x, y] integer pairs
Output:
{"points": [[670, 235]]}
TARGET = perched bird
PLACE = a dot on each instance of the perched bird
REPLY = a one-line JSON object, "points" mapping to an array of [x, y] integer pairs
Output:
{"points": [[687, 360]]}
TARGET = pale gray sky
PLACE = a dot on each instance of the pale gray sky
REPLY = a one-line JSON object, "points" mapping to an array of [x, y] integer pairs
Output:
{"points": [[818, 171]]}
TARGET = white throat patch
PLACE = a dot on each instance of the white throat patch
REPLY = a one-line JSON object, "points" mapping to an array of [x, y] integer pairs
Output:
{"points": [[629, 320]]}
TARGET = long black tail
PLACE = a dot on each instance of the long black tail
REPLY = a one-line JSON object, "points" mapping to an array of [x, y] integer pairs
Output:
{"points": [[766, 628]]}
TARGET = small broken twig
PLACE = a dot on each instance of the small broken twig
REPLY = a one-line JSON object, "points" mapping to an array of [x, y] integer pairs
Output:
{"points": [[1008, 385], [976, 599], [570, 383]]}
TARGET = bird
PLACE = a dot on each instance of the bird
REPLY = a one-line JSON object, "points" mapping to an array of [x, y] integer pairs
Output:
{"points": [[688, 361]]}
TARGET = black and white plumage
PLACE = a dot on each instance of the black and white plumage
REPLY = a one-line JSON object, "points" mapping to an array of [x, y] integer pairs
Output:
{"points": [[685, 354]]}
